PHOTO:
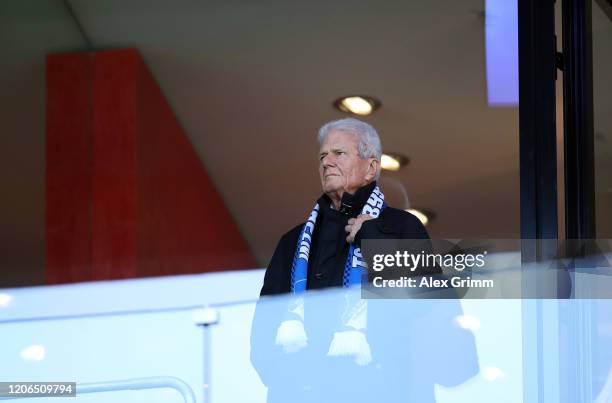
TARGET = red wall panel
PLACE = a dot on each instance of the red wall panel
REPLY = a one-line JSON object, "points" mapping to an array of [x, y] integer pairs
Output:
{"points": [[68, 168], [152, 209], [114, 159]]}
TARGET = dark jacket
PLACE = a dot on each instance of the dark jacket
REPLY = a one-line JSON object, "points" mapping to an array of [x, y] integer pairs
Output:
{"points": [[413, 345], [329, 248]]}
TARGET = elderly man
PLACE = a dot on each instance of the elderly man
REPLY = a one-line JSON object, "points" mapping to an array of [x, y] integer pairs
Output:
{"points": [[336, 347], [349, 165]]}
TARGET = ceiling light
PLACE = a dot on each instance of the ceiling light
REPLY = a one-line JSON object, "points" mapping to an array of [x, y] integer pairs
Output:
{"points": [[357, 104], [393, 162], [425, 216]]}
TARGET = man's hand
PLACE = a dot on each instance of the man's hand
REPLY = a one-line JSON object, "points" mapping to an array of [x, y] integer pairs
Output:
{"points": [[354, 225]]}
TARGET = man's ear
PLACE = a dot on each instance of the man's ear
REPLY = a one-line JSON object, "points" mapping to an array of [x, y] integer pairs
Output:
{"points": [[372, 169]]}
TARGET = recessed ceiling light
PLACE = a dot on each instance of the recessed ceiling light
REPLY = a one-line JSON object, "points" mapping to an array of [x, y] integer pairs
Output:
{"points": [[357, 104], [393, 162], [425, 216]]}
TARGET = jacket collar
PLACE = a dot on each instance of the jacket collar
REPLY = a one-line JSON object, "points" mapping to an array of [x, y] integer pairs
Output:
{"points": [[351, 204]]}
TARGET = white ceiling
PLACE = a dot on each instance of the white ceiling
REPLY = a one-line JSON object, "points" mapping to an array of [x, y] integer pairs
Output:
{"points": [[602, 118], [251, 82]]}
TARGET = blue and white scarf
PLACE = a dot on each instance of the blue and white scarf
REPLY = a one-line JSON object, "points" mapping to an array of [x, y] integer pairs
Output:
{"points": [[355, 264], [350, 338]]}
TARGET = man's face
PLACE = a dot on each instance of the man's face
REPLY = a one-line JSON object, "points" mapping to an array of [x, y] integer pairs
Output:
{"points": [[341, 168]]}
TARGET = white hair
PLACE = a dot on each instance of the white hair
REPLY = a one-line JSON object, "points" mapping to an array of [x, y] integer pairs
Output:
{"points": [[369, 141]]}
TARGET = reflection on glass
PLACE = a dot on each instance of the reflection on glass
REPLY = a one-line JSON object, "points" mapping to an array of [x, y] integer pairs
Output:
{"points": [[5, 300], [400, 351], [33, 353]]}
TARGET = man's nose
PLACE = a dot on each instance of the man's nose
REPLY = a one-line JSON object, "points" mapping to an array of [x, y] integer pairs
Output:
{"points": [[328, 160]]}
